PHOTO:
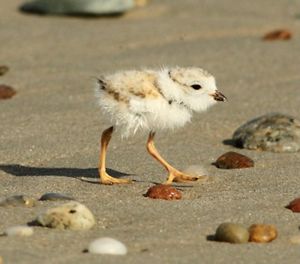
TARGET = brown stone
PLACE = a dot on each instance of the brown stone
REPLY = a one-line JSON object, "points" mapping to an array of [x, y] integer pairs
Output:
{"points": [[294, 205], [261, 233], [6, 91], [280, 34], [165, 192], [233, 160]]}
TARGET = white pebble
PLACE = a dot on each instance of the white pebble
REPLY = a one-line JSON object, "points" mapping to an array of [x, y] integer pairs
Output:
{"points": [[107, 245], [18, 231]]}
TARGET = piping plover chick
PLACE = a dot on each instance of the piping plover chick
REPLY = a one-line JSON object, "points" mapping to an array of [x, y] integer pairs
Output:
{"points": [[153, 100]]}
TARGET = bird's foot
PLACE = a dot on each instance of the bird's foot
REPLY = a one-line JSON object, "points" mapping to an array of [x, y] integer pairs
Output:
{"points": [[178, 176], [109, 180]]}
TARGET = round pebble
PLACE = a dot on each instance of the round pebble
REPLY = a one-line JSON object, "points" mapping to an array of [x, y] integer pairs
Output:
{"points": [[3, 69], [107, 245], [78, 7], [18, 231], [295, 239], [6, 92], [19, 200], [55, 197], [294, 205], [72, 215], [261, 233], [233, 160], [162, 191], [271, 132], [232, 233]]}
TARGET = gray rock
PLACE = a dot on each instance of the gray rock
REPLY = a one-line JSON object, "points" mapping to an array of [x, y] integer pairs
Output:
{"points": [[55, 197], [271, 132], [19, 200], [75, 7], [72, 215]]}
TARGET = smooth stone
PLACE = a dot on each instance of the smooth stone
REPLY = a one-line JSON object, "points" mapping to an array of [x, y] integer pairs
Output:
{"points": [[18, 231], [261, 233], [6, 92], [3, 69], [76, 7], [233, 160], [55, 197], [271, 132], [294, 205], [162, 191], [232, 233], [295, 239], [107, 245], [19, 200], [72, 215]]}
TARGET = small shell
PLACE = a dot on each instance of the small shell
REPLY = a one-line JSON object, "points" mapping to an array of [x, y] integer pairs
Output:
{"points": [[107, 245], [72, 215], [18, 231], [233, 160], [18, 200], [55, 197]]}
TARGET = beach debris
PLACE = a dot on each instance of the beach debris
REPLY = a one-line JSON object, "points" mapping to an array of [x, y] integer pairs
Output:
{"points": [[294, 205], [261, 233], [196, 171], [279, 34], [72, 215], [6, 92], [271, 132], [19, 200], [165, 192], [107, 245], [55, 197], [20, 230], [78, 7], [233, 160], [3, 69], [295, 239], [232, 233]]}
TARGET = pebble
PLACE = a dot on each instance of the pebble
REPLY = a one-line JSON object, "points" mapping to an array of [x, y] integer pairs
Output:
{"points": [[271, 132], [162, 191], [3, 69], [107, 245], [294, 205], [19, 200], [72, 215], [55, 197], [233, 160], [295, 239], [232, 233], [21, 230], [6, 92], [78, 7], [280, 34], [261, 233]]}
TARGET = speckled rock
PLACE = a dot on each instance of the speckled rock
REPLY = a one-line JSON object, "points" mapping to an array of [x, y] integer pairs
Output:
{"points": [[19, 200], [261, 233], [18, 231], [294, 205], [107, 245], [232, 233], [272, 132], [55, 197], [162, 191], [233, 160], [72, 215], [78, 7]]}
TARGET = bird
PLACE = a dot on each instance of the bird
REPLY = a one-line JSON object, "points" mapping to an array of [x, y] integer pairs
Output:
{"points": [[152, 100]]}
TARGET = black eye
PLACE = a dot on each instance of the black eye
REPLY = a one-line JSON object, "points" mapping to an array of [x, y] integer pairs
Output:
{"points": [[196, 86]]}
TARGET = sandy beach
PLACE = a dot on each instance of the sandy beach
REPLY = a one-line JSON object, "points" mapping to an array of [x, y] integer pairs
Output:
{"points": [[50, 130]]}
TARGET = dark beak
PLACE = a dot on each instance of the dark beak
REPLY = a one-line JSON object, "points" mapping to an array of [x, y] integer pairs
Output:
{"points": [[218, 96]]}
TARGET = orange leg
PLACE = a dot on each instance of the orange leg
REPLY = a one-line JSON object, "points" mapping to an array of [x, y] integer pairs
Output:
{"points": [[174, 174], [104, 177]]}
